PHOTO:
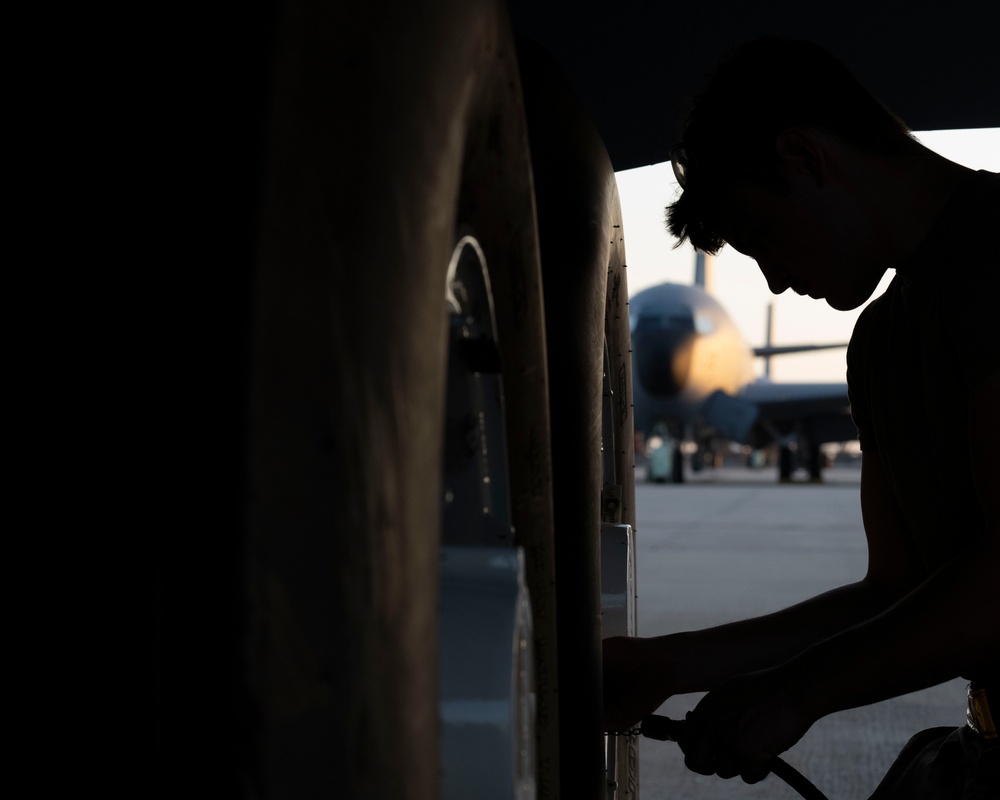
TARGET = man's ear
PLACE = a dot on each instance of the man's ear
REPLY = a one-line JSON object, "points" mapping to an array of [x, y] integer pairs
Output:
{"points": [[802, 155]]}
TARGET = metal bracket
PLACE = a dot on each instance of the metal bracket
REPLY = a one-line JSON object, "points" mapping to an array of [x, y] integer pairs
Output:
{"points": [[611, 503]]}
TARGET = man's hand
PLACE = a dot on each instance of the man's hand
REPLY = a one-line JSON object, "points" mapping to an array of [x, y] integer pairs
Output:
{"points": [[740, 727], [637, 679]]}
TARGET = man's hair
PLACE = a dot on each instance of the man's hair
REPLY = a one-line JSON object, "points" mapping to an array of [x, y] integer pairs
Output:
{"points": [[764, 87]]}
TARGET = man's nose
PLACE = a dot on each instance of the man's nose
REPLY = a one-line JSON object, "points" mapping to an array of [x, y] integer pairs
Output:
{"points": [[777, 279]]}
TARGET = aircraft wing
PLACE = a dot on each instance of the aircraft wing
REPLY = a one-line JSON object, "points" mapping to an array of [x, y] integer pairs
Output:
{"points": [[796, 398], [783, 350], [820, 410], [634, 50]]}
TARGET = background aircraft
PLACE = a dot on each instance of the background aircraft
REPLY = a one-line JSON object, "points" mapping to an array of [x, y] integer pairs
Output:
{"points": [[694, 379]]}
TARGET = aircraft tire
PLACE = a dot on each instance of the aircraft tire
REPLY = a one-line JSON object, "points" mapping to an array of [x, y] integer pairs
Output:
{"points": [[618, 338], [586, 302], [372, 165], [678, 464]]}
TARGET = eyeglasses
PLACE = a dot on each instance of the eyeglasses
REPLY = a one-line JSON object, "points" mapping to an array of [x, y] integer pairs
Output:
{"points": [[681, 163]]}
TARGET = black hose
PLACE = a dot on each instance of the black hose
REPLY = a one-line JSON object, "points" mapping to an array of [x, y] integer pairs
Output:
{"points": [[670, 730]]}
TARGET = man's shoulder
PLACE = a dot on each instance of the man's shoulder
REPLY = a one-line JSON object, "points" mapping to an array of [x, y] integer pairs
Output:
{"points": [[989, 179], [873, 315], [985, 183], [871, 319], [978, 202]]}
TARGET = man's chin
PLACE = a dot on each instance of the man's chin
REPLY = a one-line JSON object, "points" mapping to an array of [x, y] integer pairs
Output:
{"points": [[853, 296], [840, 304], [848, 302]]}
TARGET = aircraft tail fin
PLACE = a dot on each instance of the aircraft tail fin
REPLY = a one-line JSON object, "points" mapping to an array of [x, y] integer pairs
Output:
{"points": [[704, 277], [768, 333], [769, 349]]}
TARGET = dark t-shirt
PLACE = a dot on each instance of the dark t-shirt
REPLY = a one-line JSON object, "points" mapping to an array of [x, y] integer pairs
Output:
{"points": [[916, 354]]}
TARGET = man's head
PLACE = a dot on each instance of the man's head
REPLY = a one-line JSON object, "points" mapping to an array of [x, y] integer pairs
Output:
{"points": [[757, 143]]}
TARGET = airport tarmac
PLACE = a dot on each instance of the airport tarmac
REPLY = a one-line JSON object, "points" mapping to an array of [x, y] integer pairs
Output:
{"points": [[734, 543]]}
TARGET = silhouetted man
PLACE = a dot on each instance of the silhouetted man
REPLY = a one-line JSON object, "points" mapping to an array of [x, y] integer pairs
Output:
{"points": [[787, 158]]}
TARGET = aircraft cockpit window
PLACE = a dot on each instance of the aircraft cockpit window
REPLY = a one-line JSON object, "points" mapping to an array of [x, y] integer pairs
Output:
{"points": [[662, 322], [704, 324], [648, 322]]}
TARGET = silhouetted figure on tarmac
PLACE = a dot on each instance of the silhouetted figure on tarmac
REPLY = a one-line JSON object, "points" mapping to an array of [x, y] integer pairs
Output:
{"points": [[787, 158]]}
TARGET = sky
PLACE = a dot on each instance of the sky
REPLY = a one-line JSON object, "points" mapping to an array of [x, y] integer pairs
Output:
{"points": [[738, 285]]}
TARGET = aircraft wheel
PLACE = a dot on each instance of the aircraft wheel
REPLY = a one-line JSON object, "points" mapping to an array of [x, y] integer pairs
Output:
{"points": [[815, 463], [618, 484], [373, 164], [786, 463], [587, 321], [678, 463]]}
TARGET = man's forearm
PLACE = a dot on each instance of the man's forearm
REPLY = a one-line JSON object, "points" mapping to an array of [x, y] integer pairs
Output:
{"points": [[701, 660]]}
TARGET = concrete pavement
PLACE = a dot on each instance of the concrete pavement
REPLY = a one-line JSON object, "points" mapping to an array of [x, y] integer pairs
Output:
{"points": [[731, 544]]}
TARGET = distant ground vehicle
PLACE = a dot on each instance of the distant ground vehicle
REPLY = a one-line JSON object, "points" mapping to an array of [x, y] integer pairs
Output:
{"points": [[328, 160]]}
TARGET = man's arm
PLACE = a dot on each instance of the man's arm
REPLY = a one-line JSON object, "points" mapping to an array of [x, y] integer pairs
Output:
{"points": [[947, 626], [641, 673]]}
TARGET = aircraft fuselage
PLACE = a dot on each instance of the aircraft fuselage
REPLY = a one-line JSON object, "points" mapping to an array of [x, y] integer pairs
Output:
{"points": [[685, 348]]}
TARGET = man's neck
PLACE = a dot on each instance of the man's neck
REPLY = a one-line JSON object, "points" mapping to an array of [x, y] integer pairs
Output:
{"points": [[907, 195]]}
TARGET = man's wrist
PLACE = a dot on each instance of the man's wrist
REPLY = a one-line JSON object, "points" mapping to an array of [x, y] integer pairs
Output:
{"points": [[675, 657]]}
